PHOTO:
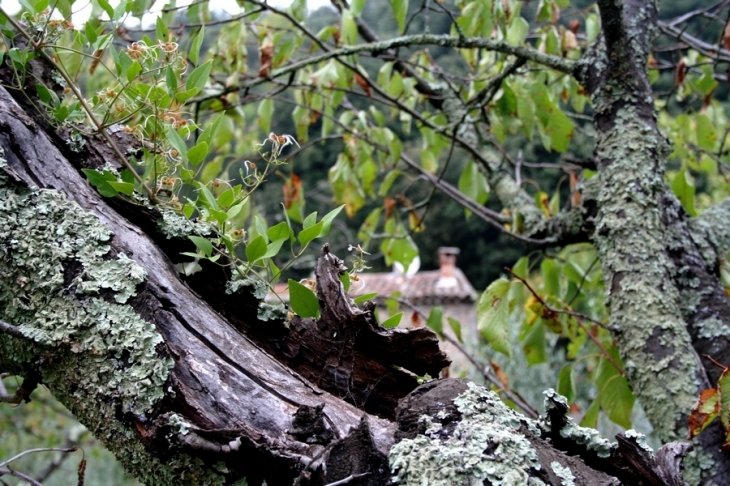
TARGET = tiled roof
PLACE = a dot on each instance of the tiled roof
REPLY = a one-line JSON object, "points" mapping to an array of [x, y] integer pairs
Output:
{"points": [[422, 288]]}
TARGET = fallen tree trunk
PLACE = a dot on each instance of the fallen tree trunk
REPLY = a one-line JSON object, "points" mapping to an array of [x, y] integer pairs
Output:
{"points": [[194, 387]]}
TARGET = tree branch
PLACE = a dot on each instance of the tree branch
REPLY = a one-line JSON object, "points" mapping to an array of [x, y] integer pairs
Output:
{"points": [[554, 62]]}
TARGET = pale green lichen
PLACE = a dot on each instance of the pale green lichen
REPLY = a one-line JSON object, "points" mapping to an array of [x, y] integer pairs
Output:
{"points": [[640, 440], [179, 424], [51, 248], [697, 465], [590, 438], [712, 328], [257, 288], [64, 288], [712, 231], [175, 225], [631, 239], [564, 473], [485, 446]]}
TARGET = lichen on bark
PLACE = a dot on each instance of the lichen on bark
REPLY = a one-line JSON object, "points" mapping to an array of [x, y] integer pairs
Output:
{"points": [[69, 293], [485, 446], [631, 243]]}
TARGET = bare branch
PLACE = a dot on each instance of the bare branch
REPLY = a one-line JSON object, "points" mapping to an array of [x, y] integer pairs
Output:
{"points": [[554, 62]]}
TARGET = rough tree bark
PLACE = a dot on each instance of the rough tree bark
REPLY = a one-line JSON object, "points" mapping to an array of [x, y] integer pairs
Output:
{"points": [[200, 383]]}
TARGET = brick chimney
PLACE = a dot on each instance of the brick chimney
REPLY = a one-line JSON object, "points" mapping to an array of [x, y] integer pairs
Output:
{"points": [[447, 261]]}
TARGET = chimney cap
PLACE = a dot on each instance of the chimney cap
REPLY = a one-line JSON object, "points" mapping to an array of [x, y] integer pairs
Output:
{"points": [[449, 250]]}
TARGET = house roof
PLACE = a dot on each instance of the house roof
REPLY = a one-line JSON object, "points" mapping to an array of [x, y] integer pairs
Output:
{"points": [[447, 285], [430, 287]]}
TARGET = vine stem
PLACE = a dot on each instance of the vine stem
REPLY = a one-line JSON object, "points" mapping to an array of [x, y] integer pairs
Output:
{"points": [[38, 47]]}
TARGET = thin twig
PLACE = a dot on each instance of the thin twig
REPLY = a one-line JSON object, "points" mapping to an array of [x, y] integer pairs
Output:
{"points": [[349, 479], [20, 475], [577, 316], [31, 451], [12, 330]]}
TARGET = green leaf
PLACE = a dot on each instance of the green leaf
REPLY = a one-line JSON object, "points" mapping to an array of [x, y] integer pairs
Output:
{"points": [[566, 387], [554, 123], [199, 76], [107, 8], [685, 191], [402, 250], [127, 176], [177, 142], [310, 220], [435, 320], [345, 279], [391, 303], [265, 111], [206, 197], [429, 162], [388, 182], [473, 183], [593, 27], [197, 154], [272, 249], [384, 74], [133, 70], [400, 9], [517, 32], [348, 28], [551, 273], [259, 227], [493, 316], [203, 244], [171, 79], [590, 419], [705, 132], [392, 321], [161, 30], [278, 232], [327, 220], [195, 47], [97, 180], [366, 297], [307, 235], [90, 32], [234, 210], [211, 129], [302, 300], [226, 197], [525, 110], [183, 96], [356, 7], [534, 344], [456, 327], [123, 187], [613, 391], [256, 248]]}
